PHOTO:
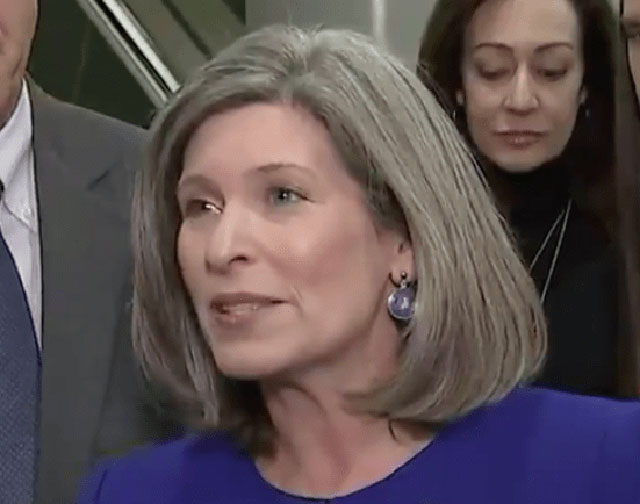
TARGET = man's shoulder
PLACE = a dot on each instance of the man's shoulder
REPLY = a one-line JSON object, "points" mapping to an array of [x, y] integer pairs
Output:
{"points": [[86, 148], [73, 131], [84, 122]]}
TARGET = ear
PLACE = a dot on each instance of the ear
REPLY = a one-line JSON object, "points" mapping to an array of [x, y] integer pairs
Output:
{"points": [[403, 260], [584, 94], [460, 98]]}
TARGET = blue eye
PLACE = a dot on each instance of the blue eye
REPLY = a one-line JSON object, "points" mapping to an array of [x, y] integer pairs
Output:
{"points": [[284, 196], [195, 207]]}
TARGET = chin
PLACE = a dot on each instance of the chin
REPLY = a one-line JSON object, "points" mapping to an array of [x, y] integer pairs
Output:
{"points": [[518, 167], [254, 368], [521, 164]]}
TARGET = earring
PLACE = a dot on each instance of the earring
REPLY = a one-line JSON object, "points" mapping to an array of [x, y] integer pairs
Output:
{"points": [[401, 301], [458, 114]]}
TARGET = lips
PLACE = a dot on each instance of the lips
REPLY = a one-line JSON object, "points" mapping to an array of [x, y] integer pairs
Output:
{"points": [[240, 308], [520, 138], [235, 307]]}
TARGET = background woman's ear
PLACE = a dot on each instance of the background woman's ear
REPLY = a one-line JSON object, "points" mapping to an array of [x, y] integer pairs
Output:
{"points": [[459, 98], [584, 94]]}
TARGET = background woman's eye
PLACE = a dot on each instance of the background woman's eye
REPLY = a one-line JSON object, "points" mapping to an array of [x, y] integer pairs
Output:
{"points": [[552, 74], [491, 74], [284, 195]]}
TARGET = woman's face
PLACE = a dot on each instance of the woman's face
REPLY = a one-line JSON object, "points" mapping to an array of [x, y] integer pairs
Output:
{"points": [[286, 268], [522, 73]]}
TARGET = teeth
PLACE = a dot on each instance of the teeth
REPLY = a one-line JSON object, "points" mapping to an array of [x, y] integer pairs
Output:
{"points": [[240, 308]]}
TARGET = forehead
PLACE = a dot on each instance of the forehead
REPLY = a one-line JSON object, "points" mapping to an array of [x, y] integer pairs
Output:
{"points": [[518, 22], [258, 134]]}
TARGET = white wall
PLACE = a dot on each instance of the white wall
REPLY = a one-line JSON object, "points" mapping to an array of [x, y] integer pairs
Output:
{"points": [[396, 23]]}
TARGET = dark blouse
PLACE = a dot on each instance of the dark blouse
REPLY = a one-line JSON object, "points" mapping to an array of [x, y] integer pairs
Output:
{"points": [[581, 302]]}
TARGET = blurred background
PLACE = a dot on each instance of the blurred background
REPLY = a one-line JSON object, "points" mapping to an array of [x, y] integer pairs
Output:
{"points": [[124, 57]]}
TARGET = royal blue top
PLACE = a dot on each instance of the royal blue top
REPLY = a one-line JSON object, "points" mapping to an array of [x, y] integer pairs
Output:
{"points": [[533, 447]]}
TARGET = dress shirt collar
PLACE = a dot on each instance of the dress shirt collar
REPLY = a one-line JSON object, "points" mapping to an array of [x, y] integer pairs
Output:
{"points": [[16, 162]]}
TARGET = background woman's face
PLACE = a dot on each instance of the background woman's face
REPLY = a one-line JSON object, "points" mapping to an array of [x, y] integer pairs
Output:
{"points": [[631, 23], [522, 73], [285, 266]]}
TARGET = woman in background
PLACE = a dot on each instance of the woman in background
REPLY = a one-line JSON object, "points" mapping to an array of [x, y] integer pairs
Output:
{"points": [[628, 185], [323, 281], [530, 85]]}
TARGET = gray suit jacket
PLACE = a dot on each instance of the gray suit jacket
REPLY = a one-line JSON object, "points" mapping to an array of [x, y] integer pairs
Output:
{"points": [[92, 401]]}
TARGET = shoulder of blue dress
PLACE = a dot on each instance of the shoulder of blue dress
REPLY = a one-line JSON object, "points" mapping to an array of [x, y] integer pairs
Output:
{"points": [[536, 422], [171, 455], [561, 409], [164, 468]]}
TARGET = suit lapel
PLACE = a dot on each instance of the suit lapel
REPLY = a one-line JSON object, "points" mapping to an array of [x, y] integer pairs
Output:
{"points": [[83, 256]]}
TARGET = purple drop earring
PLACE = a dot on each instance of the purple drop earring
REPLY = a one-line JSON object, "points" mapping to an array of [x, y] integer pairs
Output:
{"points": [[401, 301]]}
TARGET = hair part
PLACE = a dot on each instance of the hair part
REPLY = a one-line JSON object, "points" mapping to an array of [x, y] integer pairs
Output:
{"points": [[478, 328]]}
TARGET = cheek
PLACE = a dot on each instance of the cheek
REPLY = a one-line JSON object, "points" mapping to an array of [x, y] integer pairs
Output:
{"points": [[29, 21], [188, 255], [335, 266], [18, 24], [482, 97], [480, 122], [482, 104], [562, 110]]}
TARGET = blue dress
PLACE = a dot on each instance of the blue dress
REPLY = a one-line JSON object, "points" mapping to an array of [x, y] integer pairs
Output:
{"points": [[533, 447]]}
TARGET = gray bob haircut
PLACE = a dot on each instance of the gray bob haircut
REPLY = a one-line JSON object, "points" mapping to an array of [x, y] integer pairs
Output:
{"points": [[478, 329]]}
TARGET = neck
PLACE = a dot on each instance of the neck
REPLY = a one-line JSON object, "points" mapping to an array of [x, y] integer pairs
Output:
{"points": [[535, 197], [323, 448]]}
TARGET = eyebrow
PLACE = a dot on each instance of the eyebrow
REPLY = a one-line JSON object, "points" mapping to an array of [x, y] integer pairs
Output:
{"points": [[274, 167], [541, 48], [195, 180]]}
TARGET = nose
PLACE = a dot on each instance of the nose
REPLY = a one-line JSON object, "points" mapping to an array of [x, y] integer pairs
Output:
{"points": [[229, 241], [522, 96]]}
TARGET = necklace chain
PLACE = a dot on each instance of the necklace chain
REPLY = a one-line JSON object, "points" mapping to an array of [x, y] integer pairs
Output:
{"points": [[564, 213]]}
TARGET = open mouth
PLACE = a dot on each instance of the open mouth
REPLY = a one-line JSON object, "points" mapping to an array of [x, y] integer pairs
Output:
{"points": [[240, 309], [234, 308]]}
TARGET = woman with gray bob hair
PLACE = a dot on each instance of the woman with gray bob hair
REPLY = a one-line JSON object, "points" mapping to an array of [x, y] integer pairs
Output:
{"points": [[323, 283]]}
